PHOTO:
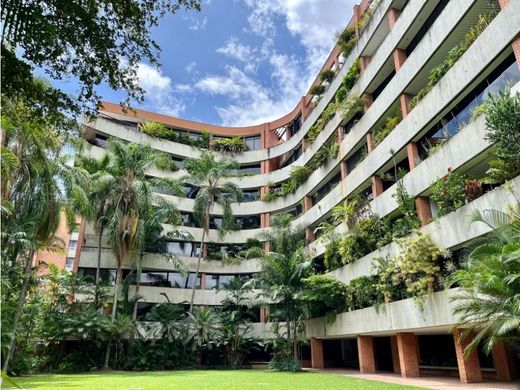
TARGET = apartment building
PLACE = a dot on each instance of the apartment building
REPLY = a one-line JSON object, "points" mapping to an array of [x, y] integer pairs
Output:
{"points": [[385, 112]]}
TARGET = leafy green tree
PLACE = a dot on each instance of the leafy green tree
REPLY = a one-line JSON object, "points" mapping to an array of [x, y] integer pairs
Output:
{"points": [[489, 284], [283, 272], [37, 186], [324, 296], [236, 324], [204, 327], [503, 123], [97, 169], [60, 37], [208, 173], [152, 238]]}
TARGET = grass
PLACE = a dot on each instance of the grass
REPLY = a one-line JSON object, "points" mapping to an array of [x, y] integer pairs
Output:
{"points": [[197, 379]]}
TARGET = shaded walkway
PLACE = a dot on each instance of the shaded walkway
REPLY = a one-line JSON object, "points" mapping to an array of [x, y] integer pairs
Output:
{"points": [[430, 382]]}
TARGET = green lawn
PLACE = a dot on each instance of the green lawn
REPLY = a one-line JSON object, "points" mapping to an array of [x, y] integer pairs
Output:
{"points": [[188, 380]]}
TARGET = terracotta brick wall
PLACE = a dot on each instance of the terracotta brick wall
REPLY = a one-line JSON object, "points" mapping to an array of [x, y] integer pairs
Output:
{"points": [[408, 350], [367, 360], [317, 353], [469, 366]]}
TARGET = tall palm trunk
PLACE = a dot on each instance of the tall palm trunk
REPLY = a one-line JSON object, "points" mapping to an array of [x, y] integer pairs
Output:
{"points": [[137, 285], [19, 308], [201, 253], [98, 267], [119, 279]]}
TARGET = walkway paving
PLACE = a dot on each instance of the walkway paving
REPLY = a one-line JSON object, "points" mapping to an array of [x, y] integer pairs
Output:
{"points": [[429, 382]]}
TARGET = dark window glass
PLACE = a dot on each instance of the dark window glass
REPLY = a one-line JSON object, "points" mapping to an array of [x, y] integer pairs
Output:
{"points": [[253, 142]]}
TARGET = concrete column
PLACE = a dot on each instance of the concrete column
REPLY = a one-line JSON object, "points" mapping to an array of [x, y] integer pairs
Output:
{"points": [[368, 101], [343, 169], [377, 186], [305, 144], [265, 221], [395, 354], [413, 155], [423, 209], [399, 56], [469, 365], [363, 62], [367, 359], [370, 143], [81, 242], [393, 15], [317, 360], [404, 101], [408, 354], [307, 203], [309, 235], [502, 360]]}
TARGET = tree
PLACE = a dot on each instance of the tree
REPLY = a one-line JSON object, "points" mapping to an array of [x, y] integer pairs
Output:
{"points": [[37, 186], [204, 326], [151, 237], [487, 300], [97, 169], [60, 37], [283, 272], [127, 190], [236, 323], [208, 174]]}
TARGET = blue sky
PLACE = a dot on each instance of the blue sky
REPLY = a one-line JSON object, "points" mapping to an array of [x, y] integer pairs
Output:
{"points": [[239, 62]]}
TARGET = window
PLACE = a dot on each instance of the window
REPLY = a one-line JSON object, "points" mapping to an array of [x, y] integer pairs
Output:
{"points": [[183, 248], [177, 280], [253, 142], [69, 263], [251, 195], [191, 279], [156, 279], [107, 276], [249, 169]]}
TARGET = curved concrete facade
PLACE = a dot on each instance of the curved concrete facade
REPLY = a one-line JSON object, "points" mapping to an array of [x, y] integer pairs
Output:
{"points": [[397, 48]]}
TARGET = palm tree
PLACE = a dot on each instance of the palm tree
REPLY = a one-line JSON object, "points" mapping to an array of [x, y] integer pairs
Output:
{"points": [[490, 283], [97, 169], [126, 188], [283, 271], [37, 186], [208, 173], [153, 239], [204, 325]]}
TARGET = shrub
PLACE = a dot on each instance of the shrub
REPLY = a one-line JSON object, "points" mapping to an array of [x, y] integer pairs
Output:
{"points": [[327, 75], [324, 295], [416, 267], [472, 189], [289, 365], [347, 40], [362, 292], [503, 123], [391, 122], [448, 192], [317, 90], [230, 145], [155, 129], [299, 175]]}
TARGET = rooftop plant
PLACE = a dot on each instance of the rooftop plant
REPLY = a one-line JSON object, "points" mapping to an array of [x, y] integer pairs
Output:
{"points": [[347, 40], [233, 145], [317, 90], [327, 75]]}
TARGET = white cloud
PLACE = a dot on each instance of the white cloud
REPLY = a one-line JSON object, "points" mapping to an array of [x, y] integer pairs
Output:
{"points": [[159, 91], [313, 22], [189, 68], [234, 49], [197, 24]]}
